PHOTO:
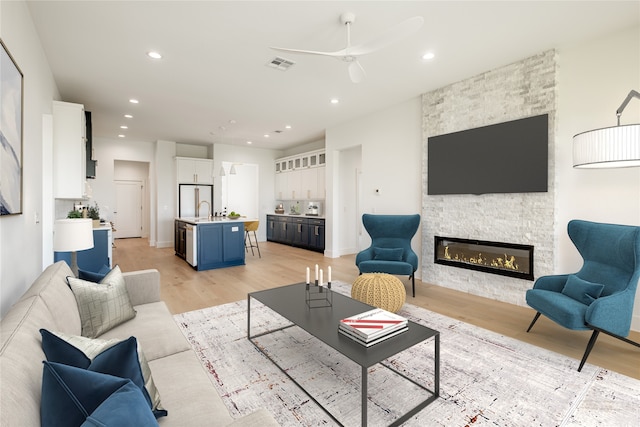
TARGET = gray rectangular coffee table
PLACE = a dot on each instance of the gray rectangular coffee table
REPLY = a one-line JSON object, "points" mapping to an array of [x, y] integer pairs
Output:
{"points": [[322, 323]]}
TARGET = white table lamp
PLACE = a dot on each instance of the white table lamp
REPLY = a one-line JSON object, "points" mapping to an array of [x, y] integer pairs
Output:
{"points": [[72, 235]]}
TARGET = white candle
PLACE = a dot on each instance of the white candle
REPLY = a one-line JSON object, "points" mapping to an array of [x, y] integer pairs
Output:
{"points": [[320, 283], [316, 271], [329, 275], [308, 272]]}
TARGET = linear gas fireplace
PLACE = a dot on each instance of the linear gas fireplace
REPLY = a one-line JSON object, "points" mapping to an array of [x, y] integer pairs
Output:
{"points": [[507, 259]]}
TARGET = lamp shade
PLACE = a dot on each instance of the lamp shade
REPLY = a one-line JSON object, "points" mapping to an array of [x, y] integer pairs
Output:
{"points": [[74, 234], [613, 147]]}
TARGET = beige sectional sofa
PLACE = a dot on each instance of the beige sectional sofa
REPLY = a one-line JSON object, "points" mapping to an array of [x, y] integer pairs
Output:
{"points": [[185, 389]]}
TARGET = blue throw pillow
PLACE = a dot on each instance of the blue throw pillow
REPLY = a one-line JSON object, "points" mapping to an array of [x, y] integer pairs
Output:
{"points": [[79, 351], [582, 290], [92, 276], [120, 360], [74, 397], [388, 254]]}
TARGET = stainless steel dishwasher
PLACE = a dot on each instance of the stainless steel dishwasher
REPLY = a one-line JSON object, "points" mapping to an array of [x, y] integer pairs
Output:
{"points": [[192, 245]]}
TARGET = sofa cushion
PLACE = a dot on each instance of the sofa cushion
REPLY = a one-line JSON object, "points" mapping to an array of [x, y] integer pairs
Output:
{"points": [[155, 330], [582, 290], [21, 359], [52, 287], [80, 352], [187, 392], [104, 305], [388, 254], [76, 397]]}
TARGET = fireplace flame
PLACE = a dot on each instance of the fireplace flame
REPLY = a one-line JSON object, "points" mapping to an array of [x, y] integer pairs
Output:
{"points": [[507, 263]]}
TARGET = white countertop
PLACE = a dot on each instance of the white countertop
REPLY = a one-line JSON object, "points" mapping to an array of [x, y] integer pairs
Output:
{"points": [[298, 215], [217, 219]]}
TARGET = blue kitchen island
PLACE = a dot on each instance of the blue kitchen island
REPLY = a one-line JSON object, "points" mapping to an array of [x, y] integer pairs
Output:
{"points": [[210, 243]]}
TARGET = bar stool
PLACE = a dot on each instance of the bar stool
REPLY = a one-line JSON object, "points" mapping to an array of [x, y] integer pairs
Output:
{"points": [[251, 226]]}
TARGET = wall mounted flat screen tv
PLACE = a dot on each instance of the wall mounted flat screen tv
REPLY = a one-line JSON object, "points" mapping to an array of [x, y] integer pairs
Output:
{"points": [[510, 157]]}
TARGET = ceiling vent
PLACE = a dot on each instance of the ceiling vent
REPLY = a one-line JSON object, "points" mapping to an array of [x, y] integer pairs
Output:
{"points": [[280, 63]]}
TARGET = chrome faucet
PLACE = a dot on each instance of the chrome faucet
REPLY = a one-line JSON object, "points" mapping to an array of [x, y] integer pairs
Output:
{"points": [[208, 210]]}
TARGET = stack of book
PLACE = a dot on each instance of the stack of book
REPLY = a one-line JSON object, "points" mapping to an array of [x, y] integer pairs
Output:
{"points": [[373, 326]]}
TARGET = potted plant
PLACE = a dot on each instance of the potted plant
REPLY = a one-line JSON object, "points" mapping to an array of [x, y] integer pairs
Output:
{"points": [[93, 212], [74, 214]]}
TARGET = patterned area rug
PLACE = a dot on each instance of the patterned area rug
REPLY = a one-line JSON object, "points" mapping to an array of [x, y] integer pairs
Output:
{"points": [[486, 378]]}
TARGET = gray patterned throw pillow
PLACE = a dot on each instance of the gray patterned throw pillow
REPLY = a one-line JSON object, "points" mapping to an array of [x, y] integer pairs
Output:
{"points": [[103, 305]]}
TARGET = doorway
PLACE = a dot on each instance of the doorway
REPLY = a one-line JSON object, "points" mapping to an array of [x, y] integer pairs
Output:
{"points": [[352, 235], [128, 212]]}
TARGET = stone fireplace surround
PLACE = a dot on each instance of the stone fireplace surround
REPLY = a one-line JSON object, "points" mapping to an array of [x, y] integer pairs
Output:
{"points": [[523, 89]]}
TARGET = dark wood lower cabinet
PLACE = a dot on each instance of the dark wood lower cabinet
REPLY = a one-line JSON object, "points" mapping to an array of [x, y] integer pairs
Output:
{"points": [[302, 232]]}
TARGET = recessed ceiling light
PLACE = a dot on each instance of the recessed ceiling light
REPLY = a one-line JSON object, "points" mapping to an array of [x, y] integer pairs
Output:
{"points": [[335, 101], [134, 101], [121, 136], [287, 127], [128, 116], [428, 55], [266, 135], [154, 55], [249, 142], [124, 127]]}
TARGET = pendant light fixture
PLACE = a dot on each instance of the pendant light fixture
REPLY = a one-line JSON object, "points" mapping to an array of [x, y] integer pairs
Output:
{"points": [[222, 130], [612, 147]]}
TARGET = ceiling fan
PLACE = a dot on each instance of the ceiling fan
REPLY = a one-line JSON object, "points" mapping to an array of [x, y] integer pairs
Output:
{"points": [[350, 53]]}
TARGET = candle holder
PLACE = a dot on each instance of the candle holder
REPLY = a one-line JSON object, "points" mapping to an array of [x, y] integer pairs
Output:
{"points": [[318, 296]]}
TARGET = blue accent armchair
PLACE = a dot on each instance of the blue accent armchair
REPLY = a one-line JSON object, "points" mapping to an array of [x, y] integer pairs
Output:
{"points": [[390, 251], [600, 296]]}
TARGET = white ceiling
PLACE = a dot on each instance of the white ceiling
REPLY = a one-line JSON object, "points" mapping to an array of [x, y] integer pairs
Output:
{"points": [[215, 55]]}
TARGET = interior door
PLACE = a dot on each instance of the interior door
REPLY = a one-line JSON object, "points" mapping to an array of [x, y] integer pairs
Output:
{"points": [[128, 212]]}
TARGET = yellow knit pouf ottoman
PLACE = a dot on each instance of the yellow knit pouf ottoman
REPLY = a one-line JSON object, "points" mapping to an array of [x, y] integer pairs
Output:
{"points": [[379, 290]]}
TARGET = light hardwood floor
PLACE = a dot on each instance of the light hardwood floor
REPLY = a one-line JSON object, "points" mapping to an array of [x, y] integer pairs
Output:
{"points": [[184, 289]]}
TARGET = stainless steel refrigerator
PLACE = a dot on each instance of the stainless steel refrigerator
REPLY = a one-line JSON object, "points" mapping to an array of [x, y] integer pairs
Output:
{"points": [[190, 196]]}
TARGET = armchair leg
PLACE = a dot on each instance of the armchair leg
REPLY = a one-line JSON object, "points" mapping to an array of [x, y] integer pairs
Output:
{"points": [[590, 345], [535, 318], [413, 284]]}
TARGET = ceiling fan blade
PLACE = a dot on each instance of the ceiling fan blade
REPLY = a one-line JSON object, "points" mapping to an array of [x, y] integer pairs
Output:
{"points": [[337, 54], [356, 72], [391, 35]]}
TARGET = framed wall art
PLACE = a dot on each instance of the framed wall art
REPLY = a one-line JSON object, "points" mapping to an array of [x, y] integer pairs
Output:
{"points": [[11, 121]]}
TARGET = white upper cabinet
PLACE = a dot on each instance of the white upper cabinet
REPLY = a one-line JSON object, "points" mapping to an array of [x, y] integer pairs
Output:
{"points": [[301, 177], [194, 171], [69, 151]]}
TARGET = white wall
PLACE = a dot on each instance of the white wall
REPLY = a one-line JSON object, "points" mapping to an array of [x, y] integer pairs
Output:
{"points": [[391, 162], [164, 196], [594, 79], [264, 159], [22, 240]]}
